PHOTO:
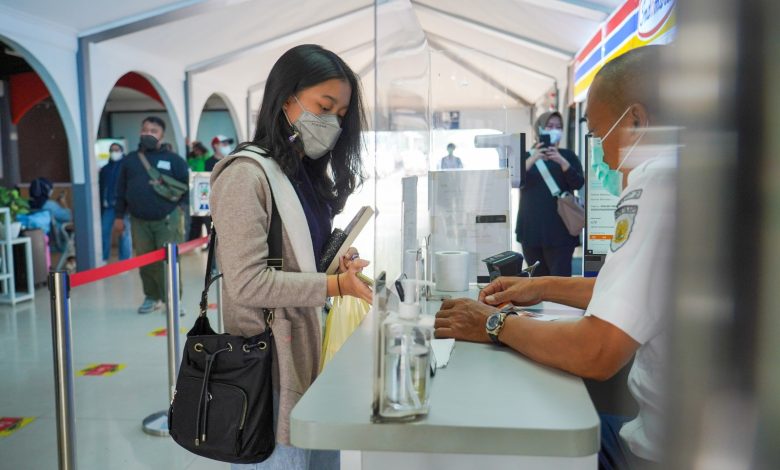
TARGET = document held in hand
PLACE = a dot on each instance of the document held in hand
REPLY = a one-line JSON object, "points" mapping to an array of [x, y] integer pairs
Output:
{"points": [[340, 240]]}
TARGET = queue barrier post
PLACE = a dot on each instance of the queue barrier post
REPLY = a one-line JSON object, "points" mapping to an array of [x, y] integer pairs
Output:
{"points": [[156, 424], [59, 291]]}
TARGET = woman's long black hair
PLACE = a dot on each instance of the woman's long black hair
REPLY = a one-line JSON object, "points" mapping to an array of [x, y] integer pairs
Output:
{"points": [[341, 172]]}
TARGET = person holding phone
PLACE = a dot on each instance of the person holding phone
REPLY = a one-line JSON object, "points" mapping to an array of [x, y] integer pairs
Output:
{"points": [[549, 169]]}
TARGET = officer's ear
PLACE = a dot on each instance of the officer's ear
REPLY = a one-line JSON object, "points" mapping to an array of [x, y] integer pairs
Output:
{"points": [[640, 117]]}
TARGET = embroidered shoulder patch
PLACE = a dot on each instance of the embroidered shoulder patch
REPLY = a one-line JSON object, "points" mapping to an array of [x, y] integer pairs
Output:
{"points": [[624, 224], [635, 194]]}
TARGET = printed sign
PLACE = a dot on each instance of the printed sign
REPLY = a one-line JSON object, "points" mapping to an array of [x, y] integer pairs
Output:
{"points": [[634, 24], [200, 189], [101, 370], [9, 426]]}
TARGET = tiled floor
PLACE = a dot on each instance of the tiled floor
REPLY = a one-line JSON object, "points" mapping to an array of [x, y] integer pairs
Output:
{"points": [[109, 410]]}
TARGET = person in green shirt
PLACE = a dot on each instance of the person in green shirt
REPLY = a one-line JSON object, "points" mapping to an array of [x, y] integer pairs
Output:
{"points": [[197, 157]]}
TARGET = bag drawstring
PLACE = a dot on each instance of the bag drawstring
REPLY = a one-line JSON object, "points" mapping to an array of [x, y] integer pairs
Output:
{"points": [[203, 401]]}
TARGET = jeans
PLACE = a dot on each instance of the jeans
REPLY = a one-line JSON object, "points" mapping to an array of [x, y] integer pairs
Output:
{"points": [[107, 222], [292, 458], [614, 453]]}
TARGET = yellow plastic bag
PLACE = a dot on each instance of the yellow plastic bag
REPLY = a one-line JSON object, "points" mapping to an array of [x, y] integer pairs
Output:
{"points": [[344, 317]]}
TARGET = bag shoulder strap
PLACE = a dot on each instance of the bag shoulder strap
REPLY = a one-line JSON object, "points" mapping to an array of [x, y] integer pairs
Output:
{"points": [[274, 255], [555, 190], [144, 161]]}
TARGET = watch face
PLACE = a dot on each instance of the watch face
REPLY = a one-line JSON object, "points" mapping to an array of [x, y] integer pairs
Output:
{"points": [[493, 321]]}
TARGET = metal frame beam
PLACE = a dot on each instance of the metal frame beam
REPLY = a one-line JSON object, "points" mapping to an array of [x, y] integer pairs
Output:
{"points": [[352, 50], [580, 8], [281, 39], [531, 71], [158, 17], [466, 64], [524, 41]]}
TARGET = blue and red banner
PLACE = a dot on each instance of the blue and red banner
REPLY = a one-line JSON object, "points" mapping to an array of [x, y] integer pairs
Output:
{"points": [[635, 24]]}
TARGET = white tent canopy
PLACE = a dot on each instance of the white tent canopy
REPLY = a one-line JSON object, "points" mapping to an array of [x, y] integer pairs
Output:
{"points": [[514, 50]]}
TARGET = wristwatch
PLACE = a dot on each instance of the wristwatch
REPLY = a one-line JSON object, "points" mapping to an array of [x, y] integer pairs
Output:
{"points": [[495, 323]]}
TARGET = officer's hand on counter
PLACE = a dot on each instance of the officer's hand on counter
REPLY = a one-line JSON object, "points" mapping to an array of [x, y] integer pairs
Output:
{"points": [[463, 319], [517, 290]]}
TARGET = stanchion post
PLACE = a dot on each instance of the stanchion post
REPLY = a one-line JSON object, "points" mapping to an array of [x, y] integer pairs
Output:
{"points": [[59, 290], [157, 423]]}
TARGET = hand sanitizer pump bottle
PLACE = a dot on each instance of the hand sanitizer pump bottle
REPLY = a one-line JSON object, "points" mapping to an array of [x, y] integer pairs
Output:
{"points": [[406, 362]]}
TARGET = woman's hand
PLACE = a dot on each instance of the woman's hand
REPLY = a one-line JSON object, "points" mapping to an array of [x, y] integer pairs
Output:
{"points": [[347, 283], [345, 260], [552, 153]]}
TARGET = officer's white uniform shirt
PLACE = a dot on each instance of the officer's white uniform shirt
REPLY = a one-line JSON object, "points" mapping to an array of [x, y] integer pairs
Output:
{"points": [[631, 291]]}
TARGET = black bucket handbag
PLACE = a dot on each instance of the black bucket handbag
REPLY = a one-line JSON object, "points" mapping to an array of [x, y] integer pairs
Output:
{"points": [[222, 408]]}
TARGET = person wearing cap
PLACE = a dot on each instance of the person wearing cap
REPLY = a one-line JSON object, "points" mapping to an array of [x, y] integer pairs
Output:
{"points": [[222, 147]]}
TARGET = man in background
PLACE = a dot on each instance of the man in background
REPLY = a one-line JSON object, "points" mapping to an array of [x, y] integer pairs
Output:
{"points": [[450, 162], [154, 219]]}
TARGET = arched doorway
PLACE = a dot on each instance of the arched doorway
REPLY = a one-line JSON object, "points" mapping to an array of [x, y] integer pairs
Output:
{"points": [[132, 99], [35, 142], [216, 136], [216, 119]]}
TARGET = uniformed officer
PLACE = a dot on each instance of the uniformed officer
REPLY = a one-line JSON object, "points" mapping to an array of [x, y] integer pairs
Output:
{"points": [[626, 305]]}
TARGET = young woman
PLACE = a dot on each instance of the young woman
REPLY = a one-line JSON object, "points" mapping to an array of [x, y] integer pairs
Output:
{"points": [[540, 229], [308, 137]]}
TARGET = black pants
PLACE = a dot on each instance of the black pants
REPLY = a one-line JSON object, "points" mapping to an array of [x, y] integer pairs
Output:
{"points": [[553, 260], [196, 226]]}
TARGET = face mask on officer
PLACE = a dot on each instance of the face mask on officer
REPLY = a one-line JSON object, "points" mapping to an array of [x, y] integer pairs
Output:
{"points": [[611, 180], [318, 134]]}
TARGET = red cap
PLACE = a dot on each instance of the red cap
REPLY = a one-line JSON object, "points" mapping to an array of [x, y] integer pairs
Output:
{"points": [[220, 138]]}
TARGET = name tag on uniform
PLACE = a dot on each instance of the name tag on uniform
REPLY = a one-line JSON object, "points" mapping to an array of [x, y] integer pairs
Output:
{"points": [[164, 165]]}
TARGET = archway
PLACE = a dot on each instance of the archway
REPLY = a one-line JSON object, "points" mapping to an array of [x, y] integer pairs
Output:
{"points": [[37, 136], [216, 128], [132, 99]]}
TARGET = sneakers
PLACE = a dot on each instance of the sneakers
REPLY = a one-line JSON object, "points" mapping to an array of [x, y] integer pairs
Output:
{"points": [[150, 305]]}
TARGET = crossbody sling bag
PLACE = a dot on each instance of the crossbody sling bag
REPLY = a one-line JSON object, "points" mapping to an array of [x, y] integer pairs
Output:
{"points": [[167, 187]]}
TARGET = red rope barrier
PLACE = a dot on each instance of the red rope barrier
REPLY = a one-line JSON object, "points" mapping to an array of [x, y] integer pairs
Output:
{"points": [[192, 244], [92, 275]]}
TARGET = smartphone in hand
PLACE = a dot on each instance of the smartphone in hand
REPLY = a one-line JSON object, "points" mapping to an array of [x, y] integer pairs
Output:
{"points": [[544, 139]]}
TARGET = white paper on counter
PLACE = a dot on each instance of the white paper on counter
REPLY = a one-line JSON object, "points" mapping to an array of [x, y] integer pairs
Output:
{"points": [[442, 349]]}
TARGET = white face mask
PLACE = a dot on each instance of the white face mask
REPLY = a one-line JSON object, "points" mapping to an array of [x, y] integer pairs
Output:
{"points": [[115, 156], [225, 149], [319, 134], [555, 135]]}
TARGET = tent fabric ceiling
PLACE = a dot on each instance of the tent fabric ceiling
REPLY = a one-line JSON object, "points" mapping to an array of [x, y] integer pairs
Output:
{"points": [[513, 49]]}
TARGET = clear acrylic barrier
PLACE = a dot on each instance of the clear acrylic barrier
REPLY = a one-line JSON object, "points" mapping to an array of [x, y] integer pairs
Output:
{"points": [[429, 94]]}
